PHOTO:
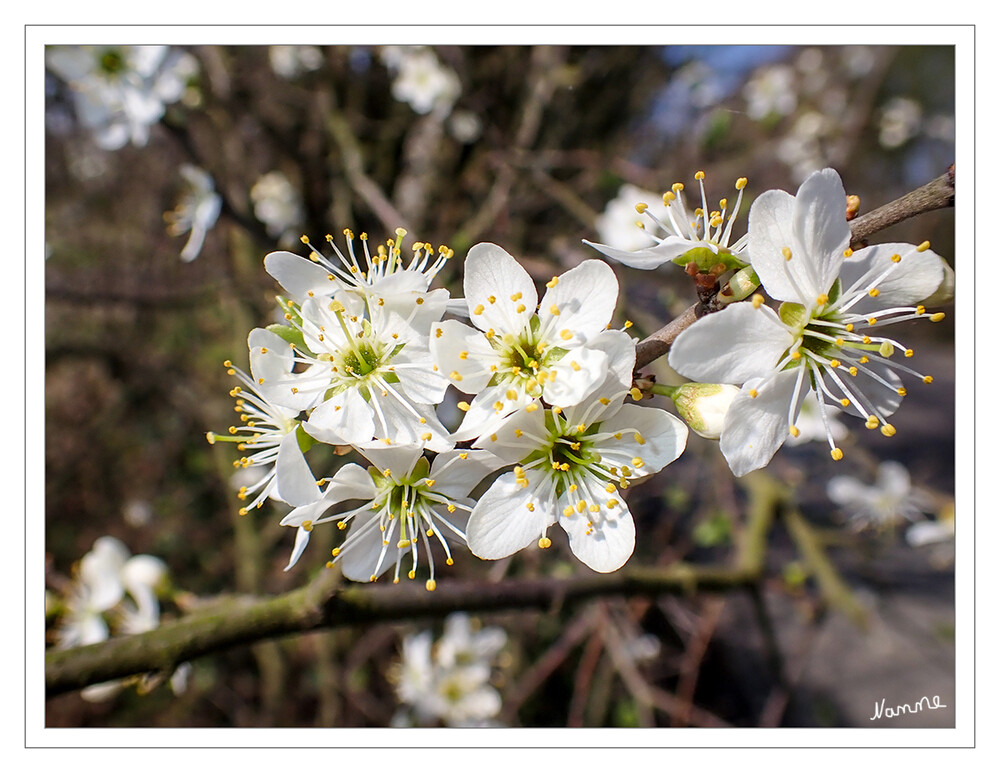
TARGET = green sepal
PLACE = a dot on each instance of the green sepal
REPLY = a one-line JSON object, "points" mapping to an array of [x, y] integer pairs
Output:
{"points": [[420, 470], [306, 441], [290, 334], [705, 259], [793, 314]]}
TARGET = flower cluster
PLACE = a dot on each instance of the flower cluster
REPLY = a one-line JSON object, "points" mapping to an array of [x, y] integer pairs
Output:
{"points": [[120, 91], [366, 355], [826, 338], [448, 681]]}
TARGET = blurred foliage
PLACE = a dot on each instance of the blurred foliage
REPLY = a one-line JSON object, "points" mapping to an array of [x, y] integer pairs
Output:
{"points": [[135, 338]]}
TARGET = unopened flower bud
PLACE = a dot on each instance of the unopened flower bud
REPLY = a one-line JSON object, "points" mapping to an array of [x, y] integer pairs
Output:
{"points": [[740, 286], [704, 406]]}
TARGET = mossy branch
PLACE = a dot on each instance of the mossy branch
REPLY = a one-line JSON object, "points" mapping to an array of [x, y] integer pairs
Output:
{"points": [[326, 603]]}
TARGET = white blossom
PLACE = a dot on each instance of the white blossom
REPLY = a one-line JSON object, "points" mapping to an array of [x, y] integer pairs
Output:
{"points": [[888, 501], [571, 467], [519, 351], [705, 229], [408, 502], [277, 204], [421, 80], [826, 336], [196, 212], [120, 91]]}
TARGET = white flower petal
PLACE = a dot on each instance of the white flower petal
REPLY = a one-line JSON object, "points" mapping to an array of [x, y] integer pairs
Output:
{"points": [[301, 541], [490, 272], [300, 276], [664, 438], [484, 418], [578, 374], [604, 544], [652, 257], [346, 418], [295, 483], [916, 277], [501, 524], [585, 297], [731, 346], [456, 477], [756, 427], [458, 348]]}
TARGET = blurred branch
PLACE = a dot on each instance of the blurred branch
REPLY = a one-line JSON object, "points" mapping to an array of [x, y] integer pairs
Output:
{"points": [[354, 166], [937, 194], [542, 80], [245, 619]]}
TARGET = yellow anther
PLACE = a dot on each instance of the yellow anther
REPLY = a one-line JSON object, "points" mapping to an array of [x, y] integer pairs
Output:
{"points": [[531, 507], [757, 300], [516, 297], [923, 246], [699, 175], [873, 292], [430, 585], [937, 317], [438, 333], [928, 379], [638, 463], [787, 252], [581, 506], [426, 436], [901, 391], [667, 198], [796, 355], [753, 393], [498, 406], [520, 308], [837, 454], [823, 299], [872, 422], [455, 376], [479, 309], [635, 393], [604, 401], [848, 252], [908, 353], [793, 430], [544, 542], [896, 258], [677, 187], [741, 183], [554, 310], [844, 401], [611, 503], [834, 363], [463, 406], [568, 511], [921, 310], [492, 299], [627, 325], [552, 282], [863, 359], [888, 430], [640, 207], [565, 335], [531, 408], [304, 239], [852, 370], [210, 437]]}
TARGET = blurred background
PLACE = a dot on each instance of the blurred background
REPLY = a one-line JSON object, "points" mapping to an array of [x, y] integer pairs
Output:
{"points": [[160, 211]]}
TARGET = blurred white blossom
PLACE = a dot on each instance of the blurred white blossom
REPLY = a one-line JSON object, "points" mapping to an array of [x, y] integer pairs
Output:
{"points": [[448, 682], [421, 80], [899, 122], [196, 212], [292, 61], [120, 91], [890, 500], [277, 204], [771, 91], [619, 225]]}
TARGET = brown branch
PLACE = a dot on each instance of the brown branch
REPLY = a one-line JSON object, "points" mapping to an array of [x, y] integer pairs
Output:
{"points": [[937, 194]]}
